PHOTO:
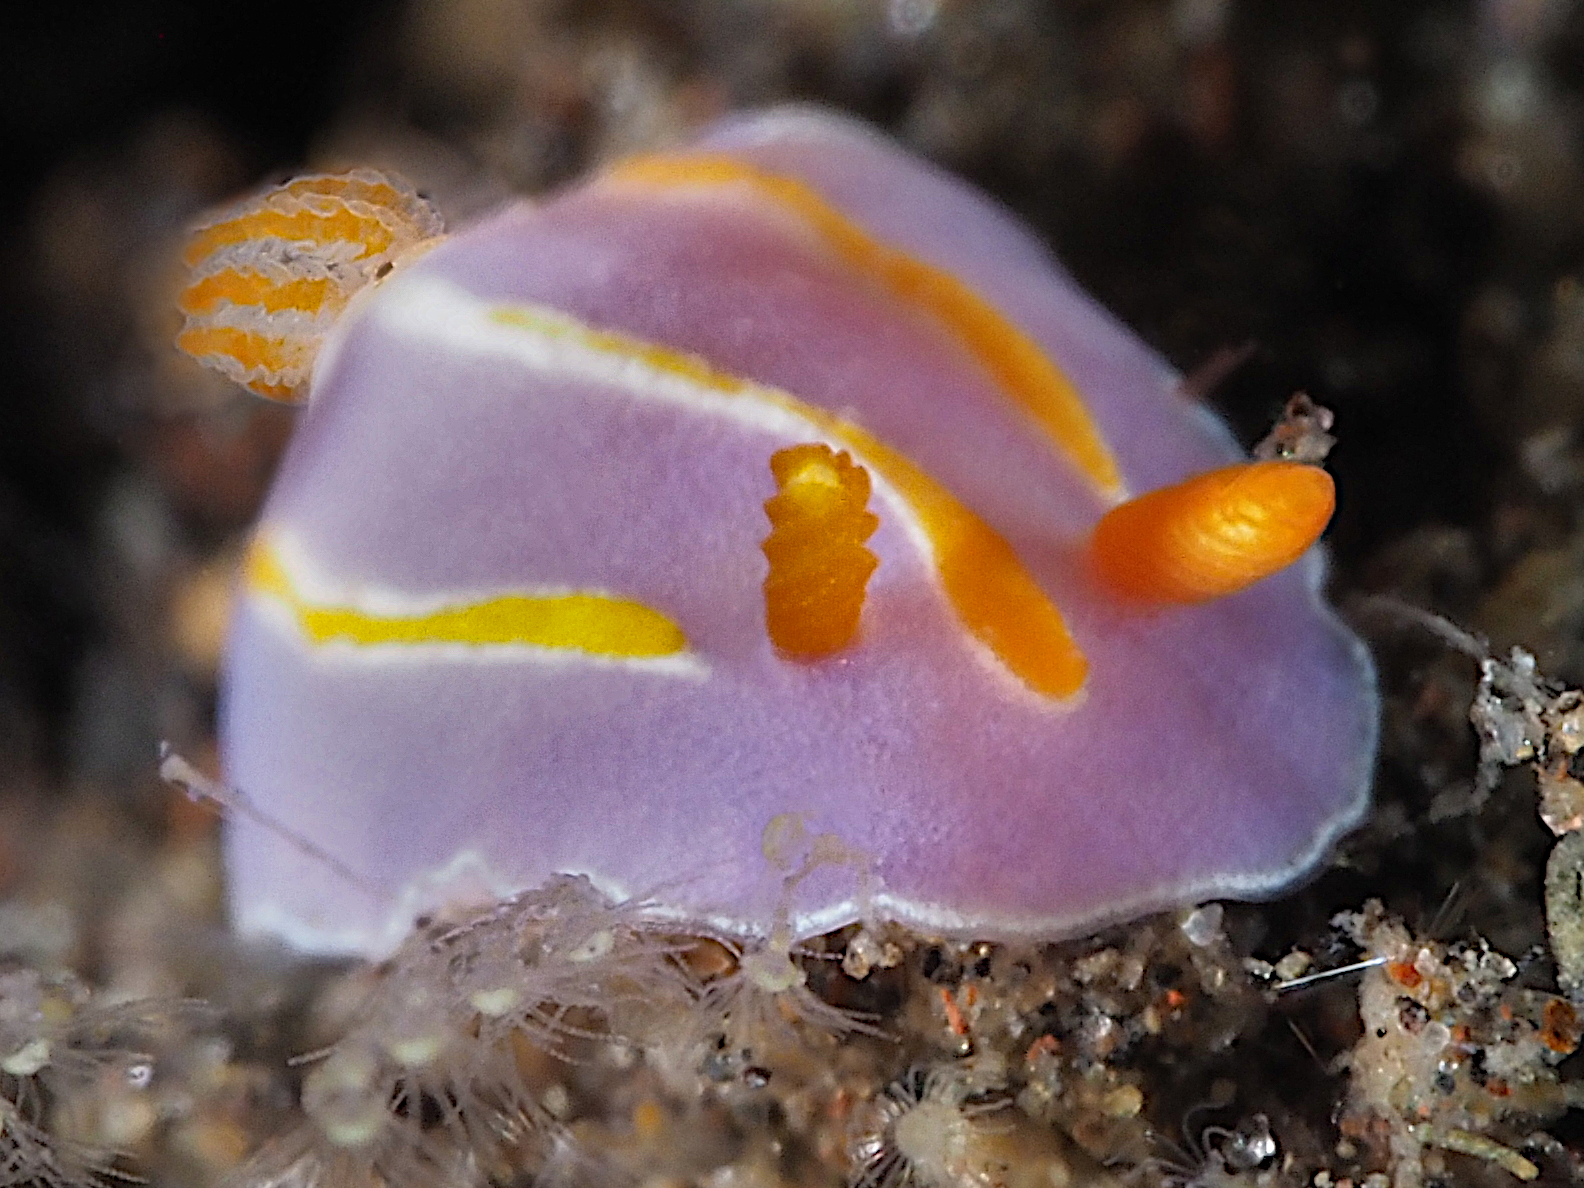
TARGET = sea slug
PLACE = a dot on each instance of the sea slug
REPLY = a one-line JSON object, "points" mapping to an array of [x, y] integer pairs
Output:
{"points": [[1043, 648]]}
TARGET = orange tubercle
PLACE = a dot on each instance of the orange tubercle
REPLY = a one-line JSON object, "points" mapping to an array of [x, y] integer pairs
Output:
{"points": [[1213, 534], [992, 592], [819, 567]]}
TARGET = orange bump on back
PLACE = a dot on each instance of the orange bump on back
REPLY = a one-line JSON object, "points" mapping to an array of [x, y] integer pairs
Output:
{"points": [[270, 274], [1213, 534], [819, 566]]}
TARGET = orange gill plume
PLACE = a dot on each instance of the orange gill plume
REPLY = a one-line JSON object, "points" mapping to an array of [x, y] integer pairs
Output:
{"points": [[1213, 534], [819, 566], [270, 275]]}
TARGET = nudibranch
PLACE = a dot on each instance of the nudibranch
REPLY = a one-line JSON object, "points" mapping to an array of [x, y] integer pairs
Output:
{"points": [[772, 532]]}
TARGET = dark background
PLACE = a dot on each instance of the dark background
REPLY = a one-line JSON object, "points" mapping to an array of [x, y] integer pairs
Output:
{"points": [[78, 82]]}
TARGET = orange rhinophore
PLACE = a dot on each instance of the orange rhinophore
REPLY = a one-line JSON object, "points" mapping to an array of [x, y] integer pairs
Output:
{"points": [[270, 275], [1213, 534], [819, 566]]}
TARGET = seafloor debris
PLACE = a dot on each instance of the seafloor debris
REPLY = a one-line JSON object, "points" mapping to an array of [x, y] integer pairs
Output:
{"points": [[1301, 434], [1455, 1054], [561, 1035], [78, 1078], [1564, 908], [1522, 718]]}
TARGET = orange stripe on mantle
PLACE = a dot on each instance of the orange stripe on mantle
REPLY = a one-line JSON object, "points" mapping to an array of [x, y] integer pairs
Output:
{"points": [[1017, 364]]}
